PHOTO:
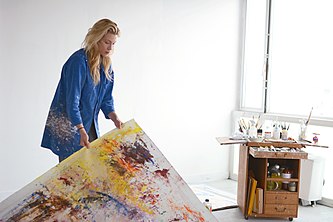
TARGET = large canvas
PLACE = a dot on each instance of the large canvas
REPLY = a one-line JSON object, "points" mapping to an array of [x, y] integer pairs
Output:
{"points": [[122, 177]]}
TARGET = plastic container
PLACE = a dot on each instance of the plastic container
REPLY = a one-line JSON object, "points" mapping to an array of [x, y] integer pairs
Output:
{"points": [[208, 205], [267, 133], [253, 130], [276, 132]]}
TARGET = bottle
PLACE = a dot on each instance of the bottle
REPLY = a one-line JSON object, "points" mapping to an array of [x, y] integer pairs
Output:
{"points": [[252, 130], [302, 133], [268, 133], [268, 170], [286, 173], [259, 134], [276, 131], [276, 173], [208, 205]]}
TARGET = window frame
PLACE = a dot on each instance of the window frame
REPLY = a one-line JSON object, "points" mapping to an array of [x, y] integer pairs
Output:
{"points": [[318, 121]]}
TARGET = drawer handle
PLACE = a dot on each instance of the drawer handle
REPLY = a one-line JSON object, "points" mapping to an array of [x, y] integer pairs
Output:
{"points": [[280, 210], [284, 155]]}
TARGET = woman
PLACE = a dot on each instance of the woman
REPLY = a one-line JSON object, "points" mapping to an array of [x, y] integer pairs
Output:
{"points": [[85, 88]]}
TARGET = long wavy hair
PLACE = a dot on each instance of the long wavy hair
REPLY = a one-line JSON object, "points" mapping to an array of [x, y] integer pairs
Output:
{"points": [[95, 60]]}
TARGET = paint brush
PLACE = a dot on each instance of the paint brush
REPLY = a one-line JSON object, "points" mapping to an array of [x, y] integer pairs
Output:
{"points": [[307, 122], [240, 126], [259, 122]]}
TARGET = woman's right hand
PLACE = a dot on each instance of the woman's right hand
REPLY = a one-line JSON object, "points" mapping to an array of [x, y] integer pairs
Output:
{"points": [[84, 138]]}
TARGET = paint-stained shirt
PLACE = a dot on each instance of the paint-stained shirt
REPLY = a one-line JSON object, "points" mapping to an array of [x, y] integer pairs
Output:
{"points": [[77, 100]]}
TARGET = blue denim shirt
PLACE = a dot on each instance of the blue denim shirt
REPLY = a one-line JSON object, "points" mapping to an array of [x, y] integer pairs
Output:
{"points": [[76, 100]]}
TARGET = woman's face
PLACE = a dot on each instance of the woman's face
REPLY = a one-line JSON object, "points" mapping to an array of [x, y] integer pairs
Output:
{"points": [[106, 44]]}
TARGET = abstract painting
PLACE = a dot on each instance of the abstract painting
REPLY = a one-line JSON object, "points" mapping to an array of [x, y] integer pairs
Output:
{"points": [[122, 177]]}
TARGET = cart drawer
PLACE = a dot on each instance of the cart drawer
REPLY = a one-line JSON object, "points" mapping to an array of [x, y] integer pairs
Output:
{"points": [[281, 198], [257, 152], [288, 210]]}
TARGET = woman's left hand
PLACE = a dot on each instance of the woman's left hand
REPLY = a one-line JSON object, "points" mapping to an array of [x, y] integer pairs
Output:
{"points": [[118, 123], [113, 116]]}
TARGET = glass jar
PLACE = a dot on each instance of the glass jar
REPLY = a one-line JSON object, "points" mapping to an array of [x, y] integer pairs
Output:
{"points": [[286, 173], [292, 186], [302, 133], [284, 134]]}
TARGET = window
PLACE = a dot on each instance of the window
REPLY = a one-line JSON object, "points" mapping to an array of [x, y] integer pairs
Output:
{"points": [[288, 45], [254, 51], [299, 57]]}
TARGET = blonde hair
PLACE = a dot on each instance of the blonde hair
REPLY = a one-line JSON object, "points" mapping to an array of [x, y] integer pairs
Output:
{"points": [[94, 35]]}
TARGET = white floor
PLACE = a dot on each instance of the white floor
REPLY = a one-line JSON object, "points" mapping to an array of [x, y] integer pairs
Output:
{"points": [[305, 213]]}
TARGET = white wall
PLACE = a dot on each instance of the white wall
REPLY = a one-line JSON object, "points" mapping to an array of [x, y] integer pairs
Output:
{"points": [[177, 71]]}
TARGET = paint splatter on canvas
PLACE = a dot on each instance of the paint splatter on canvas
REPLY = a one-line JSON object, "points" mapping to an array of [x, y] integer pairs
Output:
{"points": [[123, 177]]}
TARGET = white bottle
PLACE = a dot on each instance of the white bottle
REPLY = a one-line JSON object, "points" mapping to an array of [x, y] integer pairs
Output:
{"points": [[253, 130], [268, 133], [276, 131], [208, 205]]}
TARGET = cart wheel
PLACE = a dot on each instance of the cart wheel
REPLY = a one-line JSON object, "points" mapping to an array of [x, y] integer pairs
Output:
{"points": [[291, 219], [313, 203]]}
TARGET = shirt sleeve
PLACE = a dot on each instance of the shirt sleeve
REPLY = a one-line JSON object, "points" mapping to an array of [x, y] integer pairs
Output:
{"points": [[107, 105], [74, 75]]}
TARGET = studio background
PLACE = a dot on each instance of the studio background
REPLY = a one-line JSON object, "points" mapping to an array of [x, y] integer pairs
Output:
{"points": [[176, 73]]}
